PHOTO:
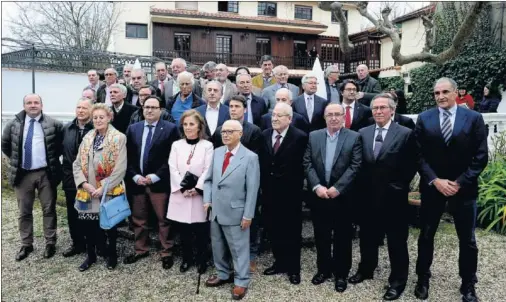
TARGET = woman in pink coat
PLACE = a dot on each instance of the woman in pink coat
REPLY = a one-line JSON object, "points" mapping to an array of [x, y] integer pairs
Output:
{"points": [[191, 154]]}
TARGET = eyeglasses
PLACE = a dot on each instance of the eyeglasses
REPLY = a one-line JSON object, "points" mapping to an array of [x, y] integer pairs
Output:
{"points": [[150, 108], [334, 115], [228, 132], [376, 108], [351, 90], [144, 94]]}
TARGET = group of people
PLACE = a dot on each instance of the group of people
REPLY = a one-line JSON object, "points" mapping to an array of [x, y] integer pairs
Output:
{"points": [[214, 160]]}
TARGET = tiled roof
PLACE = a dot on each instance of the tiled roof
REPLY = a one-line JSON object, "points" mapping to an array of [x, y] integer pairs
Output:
{"points": [[415, 14], [234, 17]]}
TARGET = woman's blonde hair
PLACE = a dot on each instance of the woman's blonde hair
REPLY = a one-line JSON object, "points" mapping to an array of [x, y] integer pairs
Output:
{"points": [[200, 120], [102, 106]]}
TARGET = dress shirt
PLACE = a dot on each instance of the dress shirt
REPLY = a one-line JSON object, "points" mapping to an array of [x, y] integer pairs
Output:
{"points": [[352, 109], [276, 133], [108, 96], [175, 87], [383, 133], [267, 81], [154, 177], [212, 116], [38, 145], [135, 99], [311, 99], [250, 113], [334, 94], [118, 109], [453, 111]]}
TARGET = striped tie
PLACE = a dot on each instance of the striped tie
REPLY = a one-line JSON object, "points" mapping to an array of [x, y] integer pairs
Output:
{"points": [[446, 128]]}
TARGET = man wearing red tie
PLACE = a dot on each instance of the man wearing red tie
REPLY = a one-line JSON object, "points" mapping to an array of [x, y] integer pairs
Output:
{"points": [[356, 115]]}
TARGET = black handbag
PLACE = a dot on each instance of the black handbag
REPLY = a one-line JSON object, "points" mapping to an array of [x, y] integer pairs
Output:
{"points": [[189, 181]]}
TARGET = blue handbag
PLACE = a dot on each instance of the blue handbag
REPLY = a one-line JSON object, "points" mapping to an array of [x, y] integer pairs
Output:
{"points": [[113, 211]]}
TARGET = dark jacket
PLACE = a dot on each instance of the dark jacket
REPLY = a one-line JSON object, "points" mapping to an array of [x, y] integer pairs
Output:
{"points": [[139, 116], [489, 105], [102, 93], [71, 142], [158, 93], [298, 121], [223, 116], [399, 119], [12, 144], [251, 137], [317, 121], [361, 115], [197, 101], [370, 87], [329, 95], [121, 119], [258, 108]]}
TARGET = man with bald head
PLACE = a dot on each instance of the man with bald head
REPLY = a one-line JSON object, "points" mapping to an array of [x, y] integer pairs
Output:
{"points": [[229, 88], [369, 86], [214, 113], [171, 87], [138, 81], [230, 190], [104, 92], [283, 95], [281, 182], [332, 162], [281, 74], [33, 143]]}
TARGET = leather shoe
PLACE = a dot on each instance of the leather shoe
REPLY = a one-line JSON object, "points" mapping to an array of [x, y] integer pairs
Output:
{"points": [[72, 251], [393, 293], [49, 251], [319, 278], [214, 281], [294, 279], [359, 278], [111, 263], [134, 258], [422, 290], [239, 292], [341, 285], [87, 264], [185, 266], [273, 270], [24, 252], [167, 262], [469, 293]]}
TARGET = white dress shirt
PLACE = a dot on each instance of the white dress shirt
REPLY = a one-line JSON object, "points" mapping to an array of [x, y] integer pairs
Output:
{"points": [[212, 115], [383, 133], [175, 87], [224, 92], [453, 111], [108, 96], [154, 177], [38, 145], [135, 99], [276, 133], [352, 109], [118, 109]]}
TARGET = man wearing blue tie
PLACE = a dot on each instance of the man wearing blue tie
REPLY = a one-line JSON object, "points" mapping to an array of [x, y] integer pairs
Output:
{"points": [[33, 142], [453, 147]]}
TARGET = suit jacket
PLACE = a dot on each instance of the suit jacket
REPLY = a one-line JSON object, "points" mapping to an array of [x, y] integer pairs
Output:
{"points": [[258, 81], [258, 108], [269, 93], [233, 194], [165, 134], [282, 172], [230, 90], [121, 119], [329, 95], [318, 121], [346, 163], [298, 121], [370, 87], [223, 116], [399, 119], [167, 89], [197, 102], [361, 115], [251, 137], [462, 160], [388, 177], [102, 94]]}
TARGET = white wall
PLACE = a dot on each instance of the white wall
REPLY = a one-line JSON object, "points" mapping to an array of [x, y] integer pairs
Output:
{"points": [[134, 12], [59, 91], [208, 7], [249, 9], [386, 53], [413, 40]]}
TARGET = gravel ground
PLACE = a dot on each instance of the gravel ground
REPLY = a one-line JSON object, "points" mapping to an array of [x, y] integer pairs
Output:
{"points": [[57, 279]]}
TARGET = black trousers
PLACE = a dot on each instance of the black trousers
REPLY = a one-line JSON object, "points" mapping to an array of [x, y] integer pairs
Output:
{"points": [[332, 229], [189, 231], [464, 215], [283, 218], [96, 239], [375, 223], [76, 230]]}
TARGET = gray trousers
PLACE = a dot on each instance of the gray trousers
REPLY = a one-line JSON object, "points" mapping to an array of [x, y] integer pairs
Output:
{"points": [[25, 193], [231, 237]]}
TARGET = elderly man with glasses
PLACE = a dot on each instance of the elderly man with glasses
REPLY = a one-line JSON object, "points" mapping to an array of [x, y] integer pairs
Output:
{"points": [[104, 92]]}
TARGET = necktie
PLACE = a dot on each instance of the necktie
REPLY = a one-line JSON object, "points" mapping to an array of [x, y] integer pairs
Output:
{"points": [[27, 165], [277, 143], [228, 155], [446, 129], [283, 85], [246, 114], [379, 143], [161, 86], [310, 109], [347, 120], [147, 145]]}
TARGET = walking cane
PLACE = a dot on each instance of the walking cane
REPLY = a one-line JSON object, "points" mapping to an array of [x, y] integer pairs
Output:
{"points": [[200, 273]]}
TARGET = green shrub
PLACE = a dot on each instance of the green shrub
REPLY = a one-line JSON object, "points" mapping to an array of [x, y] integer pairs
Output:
{"points": [[396, 82]]}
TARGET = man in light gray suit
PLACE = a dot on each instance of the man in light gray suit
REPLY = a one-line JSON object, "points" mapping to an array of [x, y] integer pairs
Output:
{"points": [[231, 189], [269, 93], [171, 87]]}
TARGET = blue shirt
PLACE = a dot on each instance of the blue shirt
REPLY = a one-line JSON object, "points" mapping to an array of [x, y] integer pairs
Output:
{"points": [[180, 107], [154, 177]]}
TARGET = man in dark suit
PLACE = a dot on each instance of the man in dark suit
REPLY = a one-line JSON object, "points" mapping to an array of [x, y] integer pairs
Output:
{"points": [[356, 115], [332, 162], [104, 91], [309, 104], [389, 162], [213, 112], [454, 152], [161, 78], [368, 86], [122, 110], [331, 83], [255, 105], [283, 95], [399, 119], [138, 81], [282, 177], [148, 147]]}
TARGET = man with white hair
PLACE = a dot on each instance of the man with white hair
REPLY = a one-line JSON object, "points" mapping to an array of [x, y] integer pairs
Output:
{"points": [[309, 104], [284, 95], [122, 110], [127, 71], [331, 78], [104, 92], [138, 79], [281, 74], [171, 88], [185, 99], [282, 178], [369, 87], [229, 88]]}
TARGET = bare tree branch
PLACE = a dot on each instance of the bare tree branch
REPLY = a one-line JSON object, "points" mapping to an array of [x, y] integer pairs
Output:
{"points": [[336, 8]]}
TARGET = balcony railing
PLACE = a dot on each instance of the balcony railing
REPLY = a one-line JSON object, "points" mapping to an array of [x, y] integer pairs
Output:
{"points": [[235, 60]]}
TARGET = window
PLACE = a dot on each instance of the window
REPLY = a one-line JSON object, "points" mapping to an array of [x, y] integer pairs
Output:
{"points": [[263, 46], [267, 9], [223, 48], [303, 12], [190, 5], [334, 19], [182, 43], [228, 6], [134, 30]]}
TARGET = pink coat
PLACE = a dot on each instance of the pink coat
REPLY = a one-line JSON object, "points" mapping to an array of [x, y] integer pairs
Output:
{"points": [[191, 209]]}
